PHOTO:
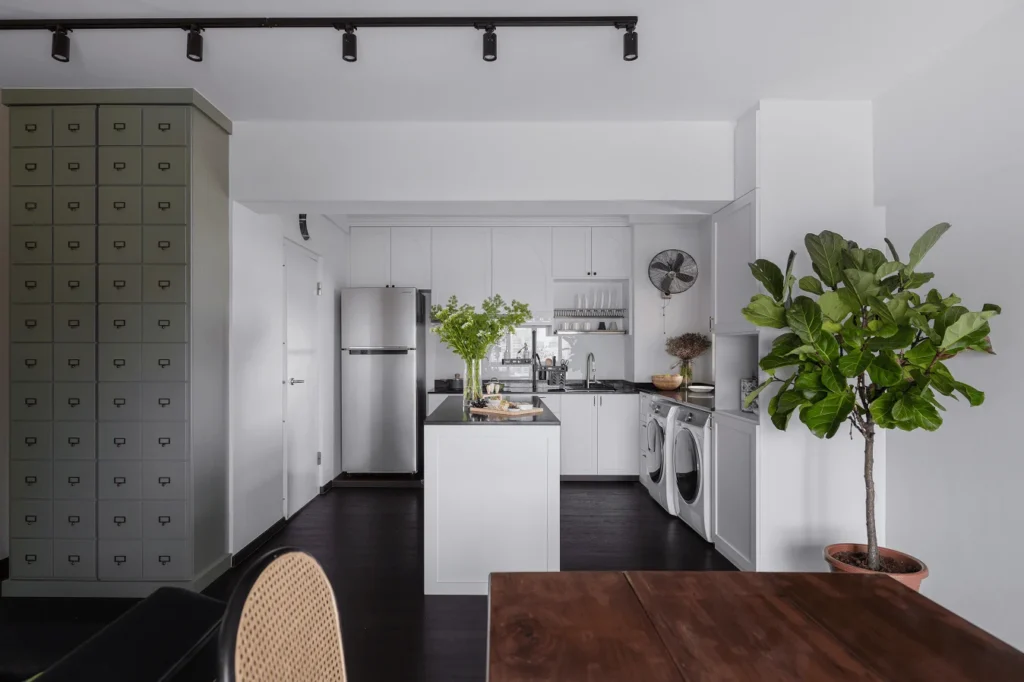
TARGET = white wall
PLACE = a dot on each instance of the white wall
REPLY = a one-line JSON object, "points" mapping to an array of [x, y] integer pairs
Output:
{"points": [[4, 329], [685, 312], [474, 161], [949, 146]]}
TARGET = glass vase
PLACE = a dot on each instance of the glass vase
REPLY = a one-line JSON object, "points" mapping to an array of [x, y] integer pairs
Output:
{"points": [[686, 372], [471, 391]]}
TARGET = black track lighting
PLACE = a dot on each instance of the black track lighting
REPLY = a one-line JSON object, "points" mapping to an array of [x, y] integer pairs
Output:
{"points": [[194, 44], [348, 44], [629, 44], [490, 44], [60, 49]]}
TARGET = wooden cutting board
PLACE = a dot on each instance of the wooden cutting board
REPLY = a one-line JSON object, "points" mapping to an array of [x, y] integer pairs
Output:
{"points": [[494, 412]]}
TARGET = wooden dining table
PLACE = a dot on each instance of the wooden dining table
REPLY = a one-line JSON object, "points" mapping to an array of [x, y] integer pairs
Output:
{"points": [[670, 626]]}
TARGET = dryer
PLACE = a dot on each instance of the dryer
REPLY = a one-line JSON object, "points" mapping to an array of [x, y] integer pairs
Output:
{"points": [[655, 417], [689, 462]]}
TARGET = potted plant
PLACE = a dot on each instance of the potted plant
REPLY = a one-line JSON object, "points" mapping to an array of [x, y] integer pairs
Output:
{"points": [[685, 348], [864, 348], [470, 334]]}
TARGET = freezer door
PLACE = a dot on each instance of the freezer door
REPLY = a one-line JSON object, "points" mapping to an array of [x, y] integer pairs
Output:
{"points": [[378, 411], [378, 318]]}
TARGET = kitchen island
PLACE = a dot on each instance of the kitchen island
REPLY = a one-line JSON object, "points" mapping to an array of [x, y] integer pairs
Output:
{"points": [[491, 496]]}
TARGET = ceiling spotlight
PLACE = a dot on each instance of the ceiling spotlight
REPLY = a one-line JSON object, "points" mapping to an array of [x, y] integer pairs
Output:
{"points": [[629, 44], [194, 44], [490, 44], [61, 47], [348, 44]]}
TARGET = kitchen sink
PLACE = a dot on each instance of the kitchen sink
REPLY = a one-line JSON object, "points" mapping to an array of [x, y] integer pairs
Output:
{"points": [[595, 387]]}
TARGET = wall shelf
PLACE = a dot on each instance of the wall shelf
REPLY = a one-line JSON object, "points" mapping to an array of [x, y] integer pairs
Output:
{"points": [[579, 332], [592, 312]]}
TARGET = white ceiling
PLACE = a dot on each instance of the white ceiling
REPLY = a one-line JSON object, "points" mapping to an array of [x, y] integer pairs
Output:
{"points": [[699, 59]]}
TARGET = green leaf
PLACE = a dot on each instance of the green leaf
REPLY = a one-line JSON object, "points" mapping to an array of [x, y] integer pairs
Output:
{"points": [[881, 409], [785, 343], [992, 307], [751, 397], [764, 312], [854, 363], [873, 260], [928, 395], [811, 285], [948, 317], [781, 420], [831, 327], [918, 279], [903, 337], [899, 309], [804, 318], [885, 370], [892, 249], [983, 346], [923, 245], [833, 379], [879, 308], [903, 409], [888, 269], [969, 328], [925, 415], [825, 417], [828, 346], [772, 362], [809, 381], [864, 284], [789, 279], [833, 306], [921, 355], [920, 323], [826, 251], [850, 299], [769, 275], [973, 395]]}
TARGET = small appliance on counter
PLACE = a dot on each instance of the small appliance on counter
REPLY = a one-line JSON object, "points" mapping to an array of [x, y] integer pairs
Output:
{"points": [[456, 384]]}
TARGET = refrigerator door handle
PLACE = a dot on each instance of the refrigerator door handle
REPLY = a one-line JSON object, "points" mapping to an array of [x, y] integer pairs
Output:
{"points": [[383, 350], [292, 382]]}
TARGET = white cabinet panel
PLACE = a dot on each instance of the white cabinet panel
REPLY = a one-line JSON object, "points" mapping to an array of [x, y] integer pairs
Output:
{"points": [[611, 251], [734, 499], [570, 252], [735, 246], [462, 259], [434, 400], [579, 452], [618, 421], [522, 266], [410, 257], [370, 260]]}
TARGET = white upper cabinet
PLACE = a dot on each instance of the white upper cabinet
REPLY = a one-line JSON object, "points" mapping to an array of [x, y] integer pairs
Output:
{"points": [[410, 257], [522, 266], [735, 246], [370, 257], [461, 258], [618, 422], [570, 252], [585, 252]]}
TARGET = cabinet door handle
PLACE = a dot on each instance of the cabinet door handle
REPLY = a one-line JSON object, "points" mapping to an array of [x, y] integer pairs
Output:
{"points": [[30, 167], [74, 165], [164, 402], [164, 559], [120, 244], [119, 284], [120, 481], [119, 205], [30, 362], [163, 244], [74, 559], [163, 324], [31, 324], [164, 481], [74, 244], [119, 165], [163, 127], [164, 442], [31, 480], [163, 205], [31, 558], [31, 284], [118, 442], [31, 402], [31, 245], [74, 324], [120, 362], [164, 284], [163, 165], [119, 127], [74, 205], [31, 128], [74, 480], [74, 440], [119, 402], [74, 402], [74, 362], [74, 284], [30, 519], [164, 363], [74, 519], [120, 559], [30, 440], [74, 127], [119, 323], [120, 520], [163, 520], [31, 205]]}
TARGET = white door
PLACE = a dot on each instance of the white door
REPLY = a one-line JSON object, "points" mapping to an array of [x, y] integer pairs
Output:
{"points": [[302, 401], [734, 481], [410, 257], [735, 246], [579, 451], [461, 264], [570, 252], [611, 251], [522, 267], [370, 257], [618, 421]]}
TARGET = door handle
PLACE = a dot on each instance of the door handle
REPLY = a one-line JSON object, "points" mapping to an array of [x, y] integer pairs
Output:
{"points": [[296, 381]]}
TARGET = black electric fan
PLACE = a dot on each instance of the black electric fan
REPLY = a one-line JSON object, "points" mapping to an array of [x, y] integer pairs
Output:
{"points": [[672, 272]]}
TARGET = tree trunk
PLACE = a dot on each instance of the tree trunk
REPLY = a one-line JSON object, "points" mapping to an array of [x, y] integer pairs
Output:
{"points": [[869, 482]]}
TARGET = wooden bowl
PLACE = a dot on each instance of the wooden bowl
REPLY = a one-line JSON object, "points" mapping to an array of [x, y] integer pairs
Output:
{"points": [[667, 382]]}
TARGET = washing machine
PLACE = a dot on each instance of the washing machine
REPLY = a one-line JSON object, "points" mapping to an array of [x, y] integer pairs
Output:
{"points": [[655, 416], [689, 463]]}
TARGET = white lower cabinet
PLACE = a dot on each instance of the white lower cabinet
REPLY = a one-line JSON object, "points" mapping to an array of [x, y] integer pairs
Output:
{"points": [[599, 435], [579, 456], [735, 477]]}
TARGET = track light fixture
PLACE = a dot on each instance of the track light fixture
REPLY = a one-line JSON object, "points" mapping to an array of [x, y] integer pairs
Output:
{"points": [[194, 44], [629, 43], [490, 44], [348, 44], [60, 48]]}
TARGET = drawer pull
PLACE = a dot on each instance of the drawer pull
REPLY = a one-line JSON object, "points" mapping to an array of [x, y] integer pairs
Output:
{"points": [[119, 205], [74, 205], [120, 362], [30, 362], [31, 558], [120, 481], [31, 480], [120, 559], [163, 205], [164, 165], [31, 402], [74, 244], [31, 167], [74, 127], [164, 559], [119, 244], [31, 128], [120, 127], [164, 481], [74, 480], [74, 402], [31, 205], [164, 284], [164, 442], [30, 284], [163, 127], [119, 402], [30, 519], [74, 519], [120, 520], [119, 323], [30, 440], [74, 165], [118, 442], [163, 244], [74, 559], [31, 324], [74, 284], [119, 165], [163, 520], [31, 246], [74, 362], [74, 440], [164, 402], [74, 324], [120, 284], [163, 324], [163, 362]]}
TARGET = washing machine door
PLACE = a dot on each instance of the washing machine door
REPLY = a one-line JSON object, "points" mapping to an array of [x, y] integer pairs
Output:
{"points": [[686, 459], [654, 458]]}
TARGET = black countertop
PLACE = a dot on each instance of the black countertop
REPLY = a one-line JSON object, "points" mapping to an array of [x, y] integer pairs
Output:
{"points": [[452, 413], [701, 401]]}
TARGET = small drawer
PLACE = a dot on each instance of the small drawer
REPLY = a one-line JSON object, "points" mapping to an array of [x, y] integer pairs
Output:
{"points": [[120, 165], [31, 480], [164, 244], [120, 440], [31, 206], [31, 244], [31, 283], [165, 323], [165, 126], [120, 520], [32, 519], [74, 166], [74, 362], [120, 401], [74, 322], [74, 283], [74, 559], [31, 126], [164, 206], [32, 323], [31, 440], [31, 362], [74, 519], [164, 521], [31, 401], [74, 402], [165, 440], [165, 402], [119, 560], [120, 362], [165, 283], [120, 125], [120, 323], [74, 126], [74, 440], [31, 167], [120, 283], [166, 560], [74, 205], [165, 166], [120, 205], [164, 480], [74, 244], [31, 559], [165, 362], [120, 480], [120, 244], [74, 480]]}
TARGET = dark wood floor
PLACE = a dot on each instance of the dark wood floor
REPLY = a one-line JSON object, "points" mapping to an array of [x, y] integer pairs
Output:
{"points": [[370, 542]]}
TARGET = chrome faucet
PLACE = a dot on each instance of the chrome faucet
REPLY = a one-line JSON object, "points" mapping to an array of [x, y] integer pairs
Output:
{"points": [[591, 370]]}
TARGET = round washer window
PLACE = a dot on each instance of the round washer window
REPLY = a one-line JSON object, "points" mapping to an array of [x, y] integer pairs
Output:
{"points": [[686, 459]]}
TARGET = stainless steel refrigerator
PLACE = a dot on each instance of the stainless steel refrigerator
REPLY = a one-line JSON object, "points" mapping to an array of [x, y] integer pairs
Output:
{"points": [[383, 392]]}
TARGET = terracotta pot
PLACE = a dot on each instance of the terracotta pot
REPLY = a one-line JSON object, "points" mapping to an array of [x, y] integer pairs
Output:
{"points": [[667, 382], [911, 580]]}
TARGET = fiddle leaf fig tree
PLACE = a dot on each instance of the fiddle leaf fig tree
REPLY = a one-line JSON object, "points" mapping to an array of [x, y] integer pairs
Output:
{"points": [[863, 346]]}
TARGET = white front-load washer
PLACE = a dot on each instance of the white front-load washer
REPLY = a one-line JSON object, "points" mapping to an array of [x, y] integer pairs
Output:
{"points": [[655, 416], [689, 462]]}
